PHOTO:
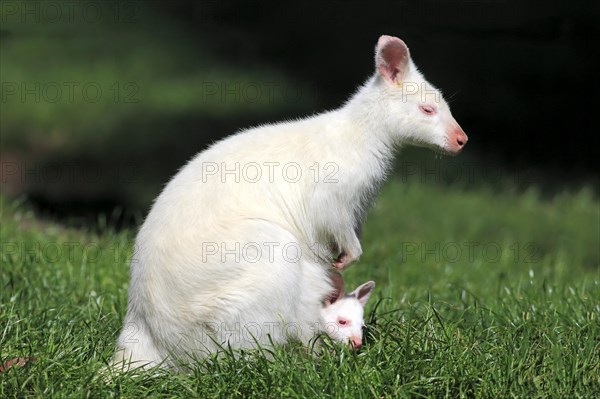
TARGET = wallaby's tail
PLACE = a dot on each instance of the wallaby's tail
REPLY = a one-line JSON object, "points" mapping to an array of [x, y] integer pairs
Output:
{"points": [[136, 348]]}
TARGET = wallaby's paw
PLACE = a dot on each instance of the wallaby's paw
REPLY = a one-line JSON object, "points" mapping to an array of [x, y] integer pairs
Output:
{"points": [[343, 262]]}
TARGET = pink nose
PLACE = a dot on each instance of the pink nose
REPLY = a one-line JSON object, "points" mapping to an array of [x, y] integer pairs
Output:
{"points": [[356, 342], [459, 139]]}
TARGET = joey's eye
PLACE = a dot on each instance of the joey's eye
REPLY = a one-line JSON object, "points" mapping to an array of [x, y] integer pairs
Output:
{"points": [[427, 109], [343, 322]]}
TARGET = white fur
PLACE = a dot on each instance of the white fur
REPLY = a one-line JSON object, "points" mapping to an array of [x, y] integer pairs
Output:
{"points": [[185, 303], [344, 319]]}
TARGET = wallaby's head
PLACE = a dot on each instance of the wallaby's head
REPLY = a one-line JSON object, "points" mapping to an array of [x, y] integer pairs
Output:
{"points": [[414, 112], [344, 315]]}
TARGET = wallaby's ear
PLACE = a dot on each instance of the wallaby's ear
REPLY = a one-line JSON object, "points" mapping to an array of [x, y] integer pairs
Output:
{"points": [[363, 292], [337, 282], [391, 59]]}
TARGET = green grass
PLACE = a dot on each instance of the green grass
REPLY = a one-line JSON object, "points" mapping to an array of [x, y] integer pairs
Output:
{"points": [[519, 322]]}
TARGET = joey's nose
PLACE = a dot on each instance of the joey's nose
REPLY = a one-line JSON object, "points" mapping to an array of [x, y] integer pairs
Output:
{"points": [[356, 342]]}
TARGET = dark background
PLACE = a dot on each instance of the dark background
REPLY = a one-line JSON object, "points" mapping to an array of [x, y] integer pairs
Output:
{"points": [[521, 73], [520, 77]]}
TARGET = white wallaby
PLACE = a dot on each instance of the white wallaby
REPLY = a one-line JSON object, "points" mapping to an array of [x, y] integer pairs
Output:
{"points": [[343, 317], [236, 249]]}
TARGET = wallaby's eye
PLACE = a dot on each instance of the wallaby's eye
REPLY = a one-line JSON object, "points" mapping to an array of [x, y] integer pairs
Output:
{"points": [[343, 322], [427, 109]]}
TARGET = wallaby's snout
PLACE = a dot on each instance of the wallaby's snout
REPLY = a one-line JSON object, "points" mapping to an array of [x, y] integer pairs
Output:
{"points": [[458, 139]]}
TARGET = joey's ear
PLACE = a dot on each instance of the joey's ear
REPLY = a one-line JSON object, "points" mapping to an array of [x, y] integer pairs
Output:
{"points": [[363, 292], [337, 283], [391, 59]]}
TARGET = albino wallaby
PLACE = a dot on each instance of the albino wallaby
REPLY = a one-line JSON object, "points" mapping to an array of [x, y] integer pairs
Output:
{"points": [[343, 316], [236, 249]]}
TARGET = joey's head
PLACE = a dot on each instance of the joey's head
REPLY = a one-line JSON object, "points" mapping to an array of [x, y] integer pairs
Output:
{"points": [[411, 109], [344, 315]]}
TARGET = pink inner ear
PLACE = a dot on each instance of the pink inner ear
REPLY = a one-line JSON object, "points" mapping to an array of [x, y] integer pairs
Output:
{"points": [[337, 282], [364, 292], [392, 58]]}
